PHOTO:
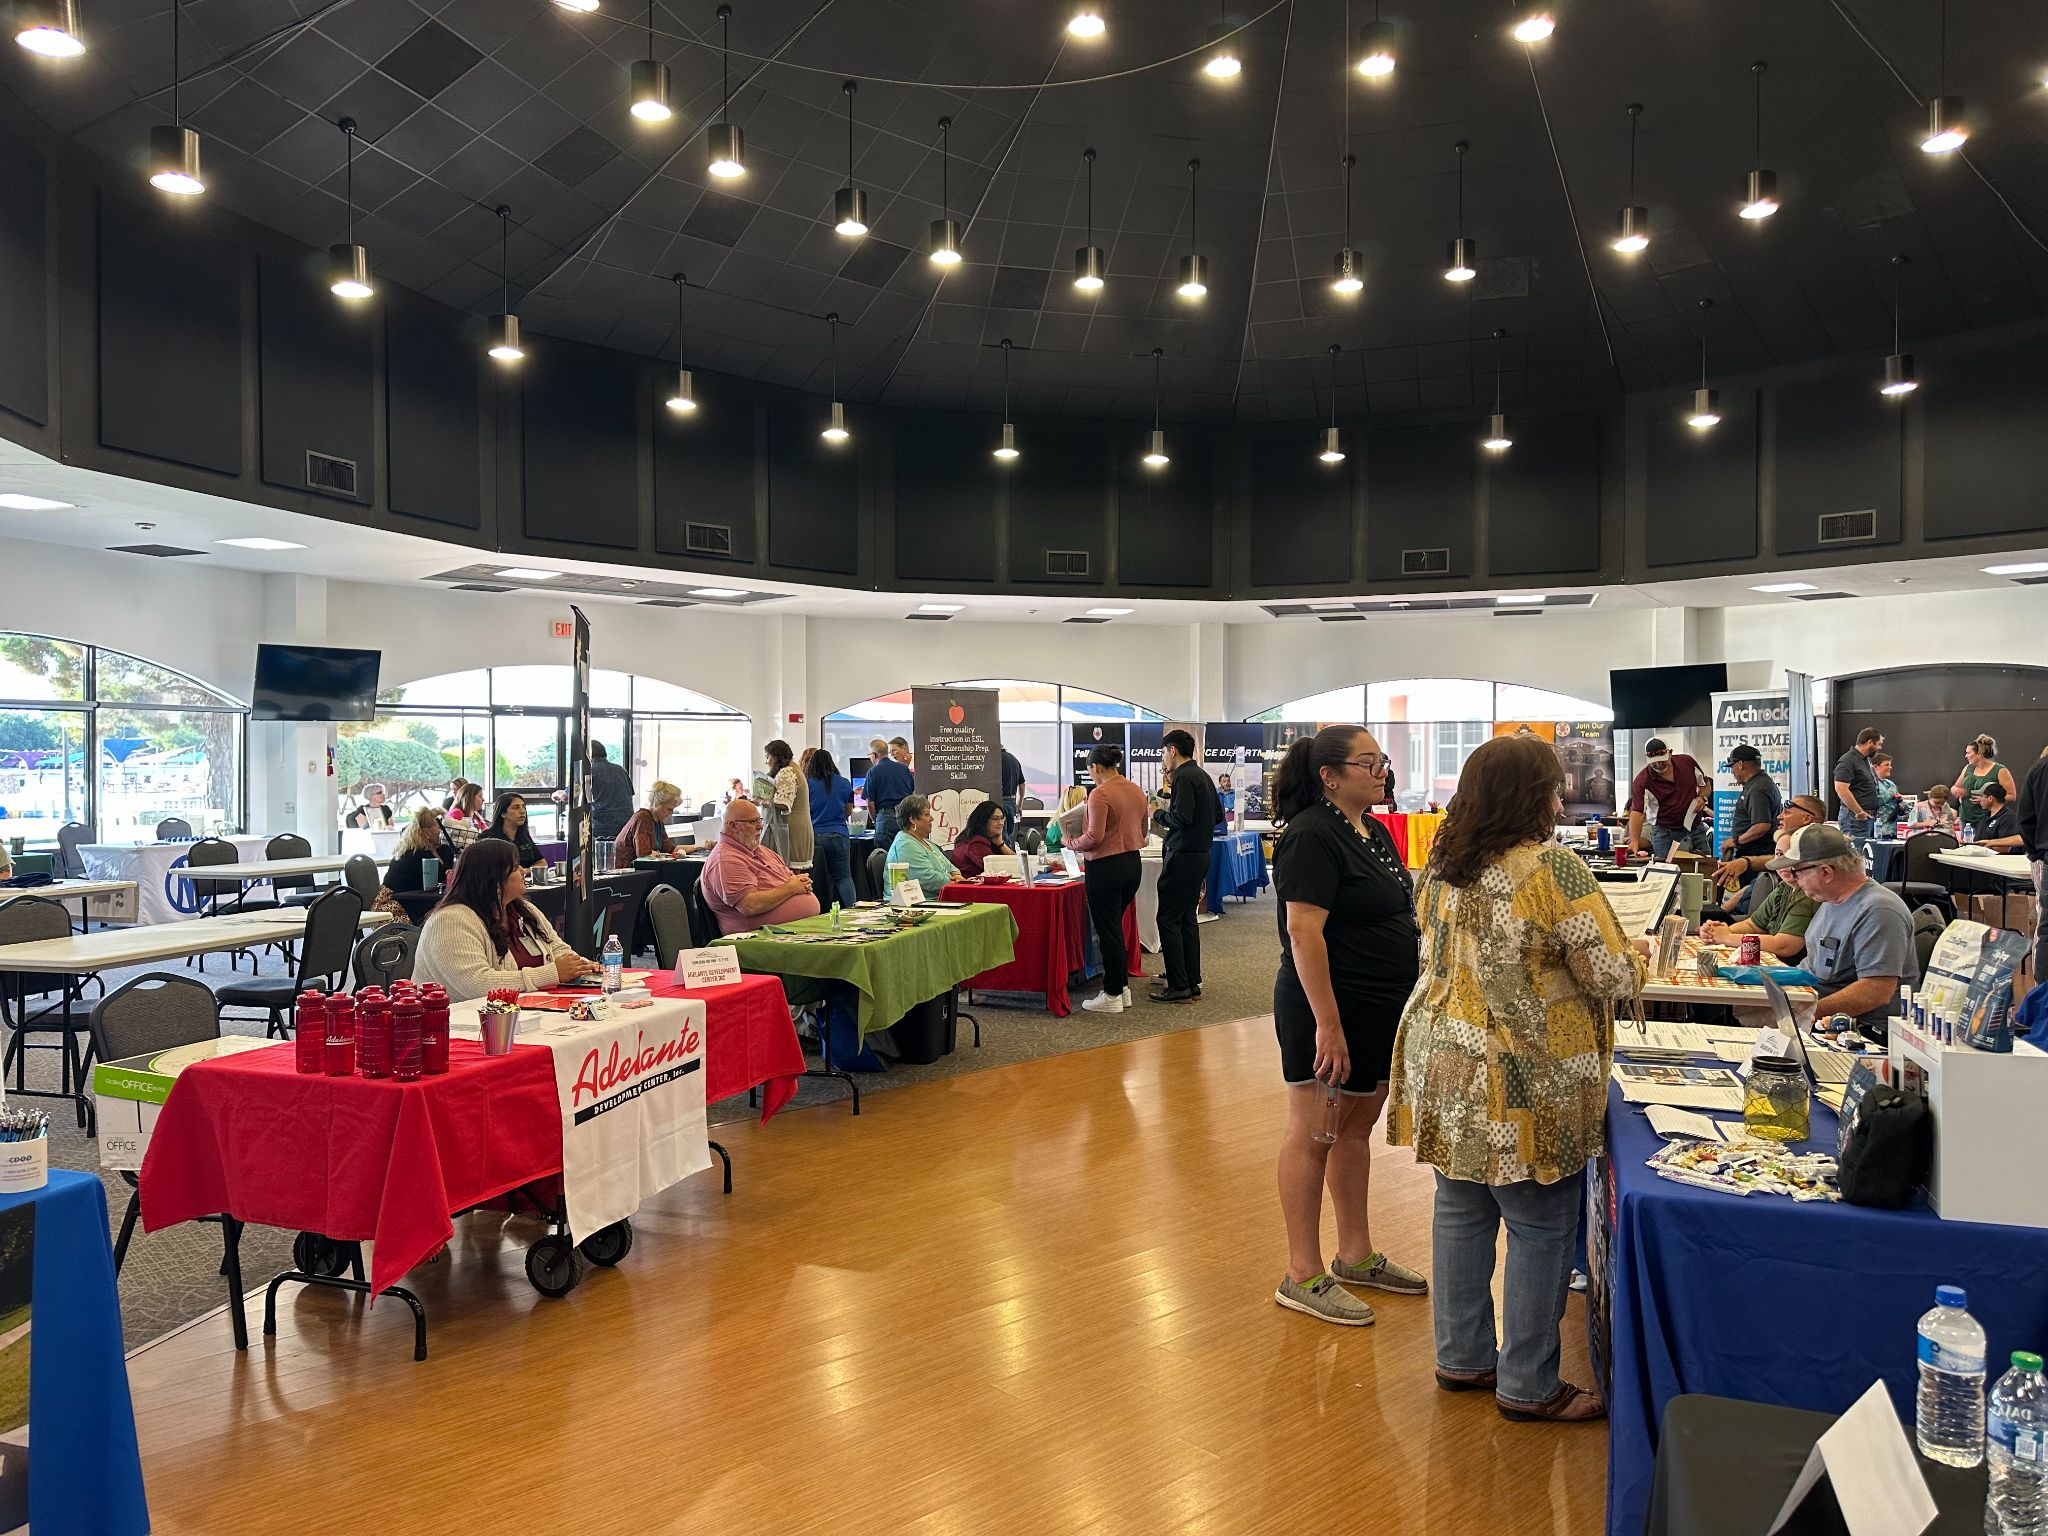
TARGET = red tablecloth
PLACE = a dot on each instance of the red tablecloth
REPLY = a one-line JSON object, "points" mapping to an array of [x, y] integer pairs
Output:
{"points": [[749, 1039], [1396, 823], [1052, 937]]}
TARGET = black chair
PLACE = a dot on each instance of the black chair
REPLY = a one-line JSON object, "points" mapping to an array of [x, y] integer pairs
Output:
{"points": [[360, 875], [669, 916], [386, 955], [173, 828], [324, 953], [1921, 880], [707, 809], [617, 898], [69, 864], [703, 924], [1928, 926], [25, 920], [1031, 839], [878, 872], [292, 890]]}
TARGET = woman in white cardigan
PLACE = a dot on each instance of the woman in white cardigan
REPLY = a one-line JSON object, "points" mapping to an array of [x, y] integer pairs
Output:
{"points": [[484, 935]]}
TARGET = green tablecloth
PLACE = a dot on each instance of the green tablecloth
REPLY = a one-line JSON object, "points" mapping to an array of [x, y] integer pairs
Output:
{"points": [[896, 973]]}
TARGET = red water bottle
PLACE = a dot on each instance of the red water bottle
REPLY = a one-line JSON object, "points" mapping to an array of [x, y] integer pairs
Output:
{"points": [[433, 1030], [405, 1037], [309, 1032], [341, 1036], [373, 1035]]}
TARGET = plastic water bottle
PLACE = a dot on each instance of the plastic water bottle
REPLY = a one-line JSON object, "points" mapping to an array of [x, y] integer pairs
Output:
{"points": [[2016, 1443], [1948, 1419], [614, 978]]}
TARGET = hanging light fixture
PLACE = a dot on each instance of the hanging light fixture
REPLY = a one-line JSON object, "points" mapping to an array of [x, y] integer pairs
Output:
{"points": [[1194, 271], [1088, 263], [1497, 439], [683, 398], [849, 203], [174, 148], [1900, 377], [945, 232], [1086, 21], [1760, 197], [1461, 256], [1533, 23], [1333, 442], [1946, 127], [582, 7], [505, 345], [1706, 403], [1632, 224], [835, 431], [650, 81], [1376, 47], [1006, 447], [49, 27], [1223, 62], [349, 263], [725, 146], [1348, 275], [1155, 446]]}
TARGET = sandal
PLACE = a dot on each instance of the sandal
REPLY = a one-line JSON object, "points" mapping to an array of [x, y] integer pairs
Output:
{"points": [[1570, 1405], [1465, 1381]]}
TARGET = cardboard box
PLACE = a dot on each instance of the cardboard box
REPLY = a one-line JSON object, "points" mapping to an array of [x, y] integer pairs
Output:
{"points": [[2014, 911], [128, 1094]]}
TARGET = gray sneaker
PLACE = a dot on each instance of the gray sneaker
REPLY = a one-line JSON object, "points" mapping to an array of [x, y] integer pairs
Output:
{"points": [[1324, 1298], [1381, 1273]]}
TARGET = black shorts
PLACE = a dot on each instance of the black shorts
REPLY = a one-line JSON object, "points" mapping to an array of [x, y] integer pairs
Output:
{"points": [[1368, 1035]]}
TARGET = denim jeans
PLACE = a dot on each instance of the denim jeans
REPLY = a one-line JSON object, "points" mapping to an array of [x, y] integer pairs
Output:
{"points": [[885, 828], [1663, 839], [832, 868], [1543, 1223], [1855, 828]]}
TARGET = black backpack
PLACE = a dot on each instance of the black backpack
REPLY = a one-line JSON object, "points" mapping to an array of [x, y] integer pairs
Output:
{"points": [[1889, 1149]]}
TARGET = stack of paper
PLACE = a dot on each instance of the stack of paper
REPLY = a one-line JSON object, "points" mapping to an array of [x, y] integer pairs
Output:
{"points": [[1684, 1087], [1669, 1122]]}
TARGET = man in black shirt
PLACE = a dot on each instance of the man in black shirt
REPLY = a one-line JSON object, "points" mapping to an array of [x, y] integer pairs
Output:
{"points": [[1757, 804], [611, 797], [1013, 788], [1192, 814], [1856, 786], [2001, 832]]}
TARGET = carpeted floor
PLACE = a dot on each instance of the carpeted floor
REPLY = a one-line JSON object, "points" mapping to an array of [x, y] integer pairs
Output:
{"points": [[172, 1277]]}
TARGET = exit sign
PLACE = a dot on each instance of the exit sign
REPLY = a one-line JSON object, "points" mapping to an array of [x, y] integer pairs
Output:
{"points": [[564, 630]]}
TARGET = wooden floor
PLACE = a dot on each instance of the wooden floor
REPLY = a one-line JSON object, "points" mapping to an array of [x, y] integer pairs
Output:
{"points": [[1029, 1300]]}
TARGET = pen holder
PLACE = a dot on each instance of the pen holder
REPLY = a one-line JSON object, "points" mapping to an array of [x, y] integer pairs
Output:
{"points": [[499, 1031], [24, 1165]]}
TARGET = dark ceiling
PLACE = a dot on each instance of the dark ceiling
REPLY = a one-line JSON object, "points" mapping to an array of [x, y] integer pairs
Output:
{"points": [[465, 104]]}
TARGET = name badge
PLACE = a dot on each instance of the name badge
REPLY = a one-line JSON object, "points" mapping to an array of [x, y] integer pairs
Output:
{"points": [[716, 967]]}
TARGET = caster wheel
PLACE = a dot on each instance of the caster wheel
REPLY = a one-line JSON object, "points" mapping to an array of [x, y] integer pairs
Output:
{"points": [[607, 1245], [551, 1266], [313, 1254]]}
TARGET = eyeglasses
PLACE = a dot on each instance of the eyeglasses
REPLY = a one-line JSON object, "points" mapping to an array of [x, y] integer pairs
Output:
{"points": [[1803, 869], [1372, 762]]}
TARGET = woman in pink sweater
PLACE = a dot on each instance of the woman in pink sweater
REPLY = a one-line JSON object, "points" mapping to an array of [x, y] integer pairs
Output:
{"points": [[1111, 838]]}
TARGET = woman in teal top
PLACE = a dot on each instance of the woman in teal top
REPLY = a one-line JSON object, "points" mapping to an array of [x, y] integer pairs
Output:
{"points": [[1887, 797], [929, 866], [1980, 767]]}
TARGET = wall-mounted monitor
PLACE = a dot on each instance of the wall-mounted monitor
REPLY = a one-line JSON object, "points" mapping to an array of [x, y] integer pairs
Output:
{"points": [[314, 683], [1652, 698]]}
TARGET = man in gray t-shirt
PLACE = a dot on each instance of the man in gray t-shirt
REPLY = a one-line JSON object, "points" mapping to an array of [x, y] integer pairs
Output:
{"points": [[1860, 942], [1856, 784]]}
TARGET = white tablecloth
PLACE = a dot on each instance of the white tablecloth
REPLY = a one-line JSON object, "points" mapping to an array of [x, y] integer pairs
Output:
{"points": [[380, 844], [160, 896]]}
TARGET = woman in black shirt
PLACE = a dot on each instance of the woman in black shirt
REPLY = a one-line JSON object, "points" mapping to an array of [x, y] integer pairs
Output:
{"points": [[508, 821], [424, 838], [1348, 955]]}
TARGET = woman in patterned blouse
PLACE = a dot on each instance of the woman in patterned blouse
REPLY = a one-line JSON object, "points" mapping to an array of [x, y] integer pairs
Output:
{"points": [[1500, 1070]]}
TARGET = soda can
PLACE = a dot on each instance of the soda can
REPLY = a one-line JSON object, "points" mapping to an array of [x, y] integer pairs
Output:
{"points": [[1752, 949]]}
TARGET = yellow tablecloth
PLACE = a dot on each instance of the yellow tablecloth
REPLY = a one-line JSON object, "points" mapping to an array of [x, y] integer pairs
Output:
{"points": [[1422, 829]]}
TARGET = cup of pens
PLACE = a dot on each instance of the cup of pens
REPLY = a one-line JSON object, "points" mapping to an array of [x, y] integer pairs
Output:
{"points": [[24, 1150]]}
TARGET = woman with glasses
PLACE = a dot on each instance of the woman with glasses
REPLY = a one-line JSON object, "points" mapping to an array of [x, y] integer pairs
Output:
{"points": [[1347, 964]]}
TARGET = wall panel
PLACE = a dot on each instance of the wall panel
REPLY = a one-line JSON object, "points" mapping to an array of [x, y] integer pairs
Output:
{"points": [[949, 501], [1986, 473], [1543, 498], [1166, 520], [1059, 495], [813, 487], [433, 443], [1700, 485], [24, 284], [1299, 518], [313, 376], [706, 470], [1839, 447], [1419, 484], [582, 463]]}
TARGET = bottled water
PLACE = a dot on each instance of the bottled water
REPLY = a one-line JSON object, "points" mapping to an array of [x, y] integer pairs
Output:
{"points": [[614, 978], [2016, 1444], [1948, 1420]]}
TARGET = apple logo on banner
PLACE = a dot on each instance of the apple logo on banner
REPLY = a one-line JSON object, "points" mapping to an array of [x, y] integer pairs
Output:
{"points": [[1098, 733], [955, 713]]}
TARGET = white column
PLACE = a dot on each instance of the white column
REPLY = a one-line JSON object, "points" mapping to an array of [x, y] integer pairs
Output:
{"points": [[789, 683], [290, 787], [1209, 671]]}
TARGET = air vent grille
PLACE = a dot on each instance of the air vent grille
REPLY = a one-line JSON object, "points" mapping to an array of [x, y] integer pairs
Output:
{"points": [[1066, 562], [161, 551], [1819, 597], [666, 602], [1342, 618], [1518, 613], [707, 538], [1082, 618], [1848, 527], [929, 618], [325, 472], [1425, 562], [477, 586]]}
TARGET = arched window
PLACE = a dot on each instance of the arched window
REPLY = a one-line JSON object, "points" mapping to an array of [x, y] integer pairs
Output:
{"points": [[119, 743]]}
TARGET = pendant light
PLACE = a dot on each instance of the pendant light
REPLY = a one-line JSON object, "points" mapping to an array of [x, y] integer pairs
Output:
{"points": [[835, 431], [1088, 262], [1194, 271], [945, 232], [849, 203], [581, 7], [1760, 197], [683, 398], [1333, 442], [1086, 21], [505, 346], [1497, 439], [1155, 446], [1706, 403], [1632, 224], [49, 27], [1376, 47], [650, 81], [348, 264], [1223, 62], [174, 148], [1899, 375], [724, 145], [1006, 448], [1461, 256], [1348, 275], [1946, 128], [1533, 23]]}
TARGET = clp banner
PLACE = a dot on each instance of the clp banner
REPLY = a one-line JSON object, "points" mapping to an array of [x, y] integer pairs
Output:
{"points": [[1761, 720], [959, 753]]}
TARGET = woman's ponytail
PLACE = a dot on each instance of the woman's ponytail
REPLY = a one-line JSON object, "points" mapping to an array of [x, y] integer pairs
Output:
{"points": [[1294, 782]]}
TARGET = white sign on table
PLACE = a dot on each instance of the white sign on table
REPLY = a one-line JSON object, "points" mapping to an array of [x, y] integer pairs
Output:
{"points": [[908, 893], [716, 967], [1871, 1471]]}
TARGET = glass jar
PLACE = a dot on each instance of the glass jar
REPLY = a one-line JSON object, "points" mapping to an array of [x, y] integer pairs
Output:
{"points": [[1775, 1105]]}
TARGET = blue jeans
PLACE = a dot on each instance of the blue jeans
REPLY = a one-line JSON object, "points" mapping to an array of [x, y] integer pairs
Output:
{"points": [[1855, 828], [832, 867], [885, 828], [1543, 1223], [1663, 839]]}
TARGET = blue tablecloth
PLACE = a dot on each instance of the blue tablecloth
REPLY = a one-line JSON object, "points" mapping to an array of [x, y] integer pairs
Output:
{"points": [[1237, 867], [1775, 1302], [86, 1474], [1884, 859]]}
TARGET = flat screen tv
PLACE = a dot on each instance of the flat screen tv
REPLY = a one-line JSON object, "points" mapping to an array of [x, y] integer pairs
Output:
{"points": [[314, 682], [1651, 698]]}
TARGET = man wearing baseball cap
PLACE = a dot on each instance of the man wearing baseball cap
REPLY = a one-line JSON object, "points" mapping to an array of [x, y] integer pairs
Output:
{"points": [[1682, 791], [1860, 941], [1757, 804]]}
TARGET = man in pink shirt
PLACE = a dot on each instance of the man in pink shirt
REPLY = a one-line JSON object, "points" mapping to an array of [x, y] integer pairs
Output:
{"points": [[748, 886]]}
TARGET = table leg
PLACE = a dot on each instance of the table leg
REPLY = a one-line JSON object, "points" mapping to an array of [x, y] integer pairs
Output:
{"points": [[231, 1266], [725, 1158], [343, 1283]]}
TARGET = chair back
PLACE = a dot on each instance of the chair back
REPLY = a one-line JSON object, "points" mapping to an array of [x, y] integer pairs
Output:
{"points": [[386, 955], [331, 922], [173, 827], [878, 871], [213, 850], [619, 896], [1929, 923], [1032, 839], [360, 875], [153, 1013], [69, 836], [22, 920], [289, 845], [708, 808], [668, 914], [1916, 859], [703, 921]]}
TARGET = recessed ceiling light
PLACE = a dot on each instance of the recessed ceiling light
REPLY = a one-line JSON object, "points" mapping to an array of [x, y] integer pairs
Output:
{"points": [[16, 501], [2024, 568], [1109, 613], [1786, 586], [1530, 597], [260, 543], [940, 607], [524, 573], [716, 592]]}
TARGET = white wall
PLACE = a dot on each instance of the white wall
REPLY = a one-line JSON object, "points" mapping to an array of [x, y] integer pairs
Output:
{"points": [[1832, 639]]}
